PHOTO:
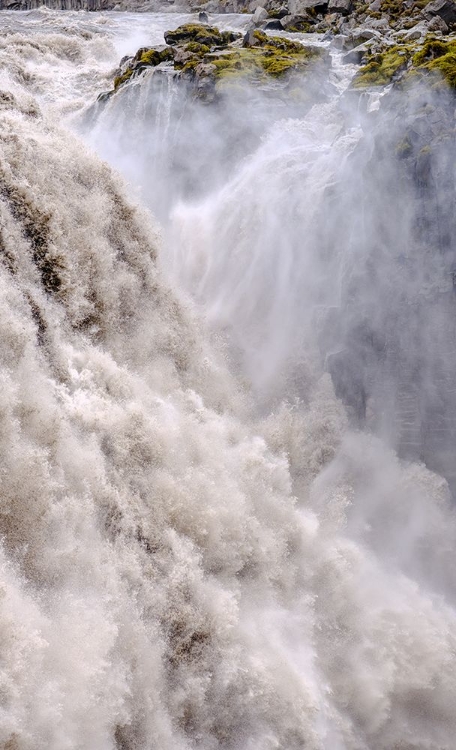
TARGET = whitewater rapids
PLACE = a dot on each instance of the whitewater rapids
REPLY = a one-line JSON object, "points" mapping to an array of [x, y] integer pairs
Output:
{"points": [[178, 568]]}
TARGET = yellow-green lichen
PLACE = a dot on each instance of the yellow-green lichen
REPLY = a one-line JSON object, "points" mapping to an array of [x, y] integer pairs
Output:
{"points": [[194, 32], [382, 67], [257, 63], [438, 56], [119, 80], [155, 57]]}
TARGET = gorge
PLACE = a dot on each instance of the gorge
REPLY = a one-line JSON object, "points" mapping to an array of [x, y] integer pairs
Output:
{"points": [[227, 360]]}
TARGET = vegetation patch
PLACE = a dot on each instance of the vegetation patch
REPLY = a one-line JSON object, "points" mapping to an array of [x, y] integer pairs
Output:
{"points": [[207, 35], [438, 56], [257, 63], [203, 51], [382, 67], [119, 80]]}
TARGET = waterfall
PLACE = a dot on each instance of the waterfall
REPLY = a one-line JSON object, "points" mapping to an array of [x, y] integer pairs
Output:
{"points": [[206, 542]]}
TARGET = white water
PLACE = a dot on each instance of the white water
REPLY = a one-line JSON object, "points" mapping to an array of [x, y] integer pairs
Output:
{"points": [[176, 570]]}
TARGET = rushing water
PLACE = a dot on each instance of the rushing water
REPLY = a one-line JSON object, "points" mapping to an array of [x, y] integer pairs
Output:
{"points": [[202, 547]]}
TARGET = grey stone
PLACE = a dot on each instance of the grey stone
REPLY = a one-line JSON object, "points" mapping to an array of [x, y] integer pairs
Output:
{"points": [[260, 15], [363, 35], [296, 22], [340, 6], [340, 42], [299, 7], [356, 55], [446, 9], [274, 25], [438, 24]]}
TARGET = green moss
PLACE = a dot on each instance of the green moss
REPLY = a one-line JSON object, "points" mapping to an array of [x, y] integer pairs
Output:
{"points": [[436, 57], [207, 35], [382, 67], [302, 28], [119, 80], [274, 43], [432, 49], [439, 57], [404, 148], [155, 57], [260, 62], [197, 49]]}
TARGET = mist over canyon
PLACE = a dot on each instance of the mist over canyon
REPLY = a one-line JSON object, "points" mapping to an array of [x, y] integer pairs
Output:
{"points": [[227, 358]]}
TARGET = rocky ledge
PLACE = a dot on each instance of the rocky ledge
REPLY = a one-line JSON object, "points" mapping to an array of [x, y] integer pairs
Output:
{"points": [[209, 60]]}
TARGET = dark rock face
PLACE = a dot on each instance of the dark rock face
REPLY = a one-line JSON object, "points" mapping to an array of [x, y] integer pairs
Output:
{"points": [[300, 7], [207, 35], [340, 6], [207, 58], [394, 371], [445, 9]]}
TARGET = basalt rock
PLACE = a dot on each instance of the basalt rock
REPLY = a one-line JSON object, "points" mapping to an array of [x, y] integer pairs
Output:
{"points": [[207, 69]]}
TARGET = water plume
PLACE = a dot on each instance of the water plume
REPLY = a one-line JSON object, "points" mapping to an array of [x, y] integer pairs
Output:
{"points": [[184, 564]]}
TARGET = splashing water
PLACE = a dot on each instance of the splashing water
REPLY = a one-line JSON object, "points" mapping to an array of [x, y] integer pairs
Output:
{"points": [[181, 567]]}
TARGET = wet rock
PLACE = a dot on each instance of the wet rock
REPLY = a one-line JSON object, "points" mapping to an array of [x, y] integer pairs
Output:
{"points": [[277, 11], [356, 55], [274, 25], [340, 6], [445, 9], [260, 15], [341, 41], [203, 17], [252, 39], [300, 7], [194, 32], [205, 81], [359, 36], [303, 23], [438, 24]]}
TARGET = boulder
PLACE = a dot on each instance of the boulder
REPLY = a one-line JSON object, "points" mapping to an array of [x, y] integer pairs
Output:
{"points": [[297, 23], [341, 41], [260, 15], [274, 25], [276, 10], [301, 7], [194, 32], [340, 6], [438, 24], [203, 17], [358, 36], [356, 55], [253, 39], [445, 9]]}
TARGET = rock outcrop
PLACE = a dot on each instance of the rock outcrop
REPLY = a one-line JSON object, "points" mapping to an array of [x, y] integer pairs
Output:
{"points": [[208, 59]]}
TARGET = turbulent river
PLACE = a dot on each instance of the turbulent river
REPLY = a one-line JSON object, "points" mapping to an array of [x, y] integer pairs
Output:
{"points": [[227, 412]]}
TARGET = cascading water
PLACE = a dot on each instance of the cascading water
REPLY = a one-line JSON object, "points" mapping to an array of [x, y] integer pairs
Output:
{"points": [[198, 549]]}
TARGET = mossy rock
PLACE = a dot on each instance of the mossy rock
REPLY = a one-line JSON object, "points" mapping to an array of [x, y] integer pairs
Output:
{"points": [[438, 56], [197, 47], [259, 63], [144, 58], [153, 56], [120, 80], [382, 67], [258, 38], [207, 35]]}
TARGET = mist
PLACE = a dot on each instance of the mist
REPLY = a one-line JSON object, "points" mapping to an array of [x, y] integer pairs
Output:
{"points": [[227, 512]]}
